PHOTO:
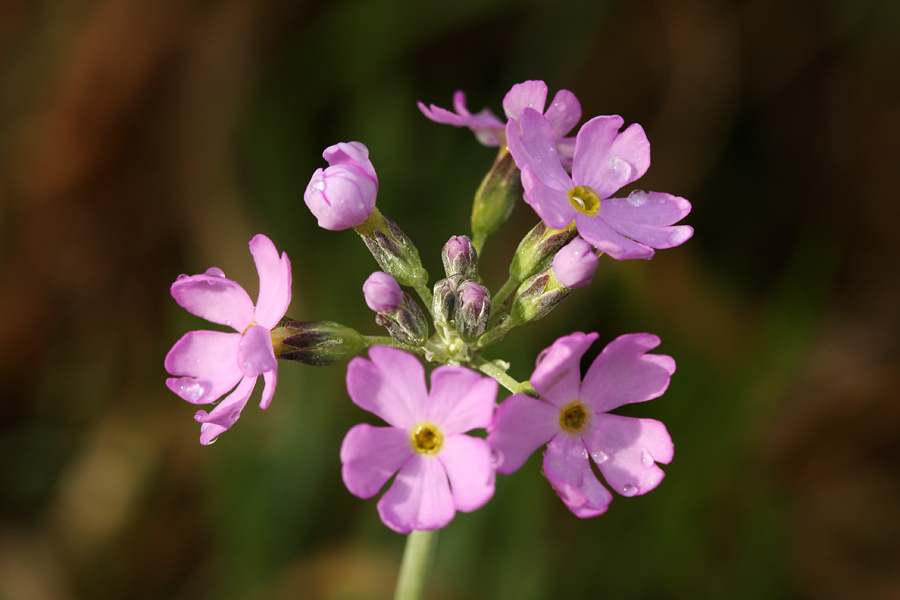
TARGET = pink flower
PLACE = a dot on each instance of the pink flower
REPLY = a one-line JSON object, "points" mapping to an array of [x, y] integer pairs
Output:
{"points": [[572, 418], [441, 470], [603, 161], [343, 195], [563, 113], [207, 364]]}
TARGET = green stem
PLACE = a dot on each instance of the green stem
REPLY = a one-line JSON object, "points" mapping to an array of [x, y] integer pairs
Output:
{"points": [[491, 369], [417, 560], [508, 288], [496, 334], [425, 295]]}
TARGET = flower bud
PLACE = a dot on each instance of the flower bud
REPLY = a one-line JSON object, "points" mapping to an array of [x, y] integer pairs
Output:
{"points": [[460, 258], [473, 312], [393, 250], [445, 301], [496, 196], [343, 195], [382, 292], [407, 323], [537, 249], [536, 297], [316, 343], [574, 265]]}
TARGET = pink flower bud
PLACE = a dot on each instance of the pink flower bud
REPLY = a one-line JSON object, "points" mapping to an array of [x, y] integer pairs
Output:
{"points": [[575, 264], [343, 195], [382, 292]]}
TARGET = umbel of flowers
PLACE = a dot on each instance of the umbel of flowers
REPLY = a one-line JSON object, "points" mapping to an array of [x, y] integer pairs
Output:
{"points": [[572, 182]]}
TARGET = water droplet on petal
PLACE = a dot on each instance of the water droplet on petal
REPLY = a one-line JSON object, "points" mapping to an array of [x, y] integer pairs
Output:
{"points": [[215, 272], [646, 460], [620, 170], [182, 277], [637, 198], [600, 457], [192, 390], [496, 459], [212, 441], [629, 490]]}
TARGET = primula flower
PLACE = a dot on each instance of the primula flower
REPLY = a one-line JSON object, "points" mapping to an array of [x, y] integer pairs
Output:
{"points": [[207, 364], [563, 113], [441, 470], [343, 195], [572, 418], [604, 160], [575, 264]]}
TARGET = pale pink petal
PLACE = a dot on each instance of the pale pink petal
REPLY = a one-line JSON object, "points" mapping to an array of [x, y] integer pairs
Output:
{"points": [[390, 385], [256, 354], [647, 217], [551, 205], [627, 449], [205, 365], [623, 373], [568, 470], [533, 144], [214, 298], [521, 425], [270, 378], [557, 376], [607, 160], [226, 412], [467, 461], [460, 399], [485, 125], [354, 154], [419, 498], [371, 455], [528, 94], [605, 239], [563, 113], [274, 281]]}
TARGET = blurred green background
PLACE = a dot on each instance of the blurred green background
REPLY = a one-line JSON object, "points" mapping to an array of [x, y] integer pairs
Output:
{"points": [[141, 139]]}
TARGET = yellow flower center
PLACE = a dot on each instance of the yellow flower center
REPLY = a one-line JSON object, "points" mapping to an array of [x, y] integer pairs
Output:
{"points": [[426, 439], [585, 199], [573, 417]]}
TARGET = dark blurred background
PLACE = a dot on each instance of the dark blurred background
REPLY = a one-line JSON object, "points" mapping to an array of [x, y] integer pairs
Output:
{"points": [[141, 139]]}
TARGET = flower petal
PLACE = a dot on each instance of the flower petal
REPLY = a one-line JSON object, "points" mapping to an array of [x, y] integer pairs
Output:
{"points": [[647, 218], [354, 154], [274, 281], [605, 159], [226, 413], [460, 399], [563, 113], [623, 373], [627, 449], [214, 298], [390, 385], [608, 240], [485, 125], [207, 362], [521, 425], [270, 378], [528, 94], [371, 455], [568, 470], [557, 375], [551, 205], [256, 354], [467, 461], [419, 498], [532, 143]]}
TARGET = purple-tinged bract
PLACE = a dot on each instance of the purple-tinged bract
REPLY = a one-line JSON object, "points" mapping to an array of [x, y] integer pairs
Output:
{"points": [[572, 418], [343, 195], [604, 161], [439, 469], [207, 364]]}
